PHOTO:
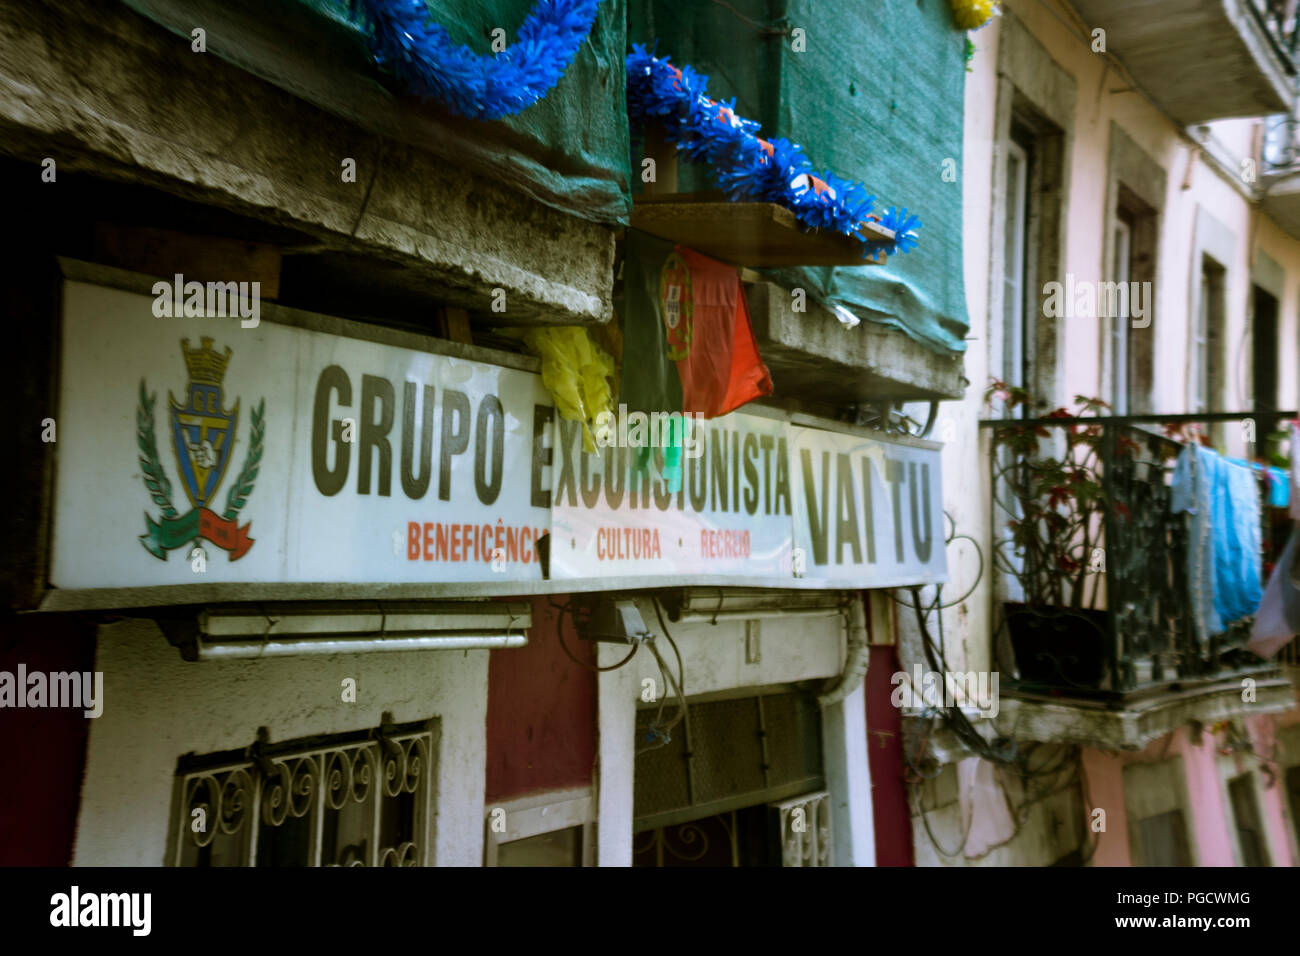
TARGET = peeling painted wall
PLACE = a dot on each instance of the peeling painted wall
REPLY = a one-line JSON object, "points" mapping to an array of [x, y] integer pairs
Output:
{"points": [[158, 707]]}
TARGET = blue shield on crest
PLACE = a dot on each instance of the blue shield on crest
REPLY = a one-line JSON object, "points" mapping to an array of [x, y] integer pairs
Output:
{"points": [[203, 432]]}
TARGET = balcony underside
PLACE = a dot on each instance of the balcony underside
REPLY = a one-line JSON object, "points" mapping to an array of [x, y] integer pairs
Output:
{"points": [[1129, 726], [1200, 60], [1282, 202], [814, 358], [1136, 721], [227, 143]]}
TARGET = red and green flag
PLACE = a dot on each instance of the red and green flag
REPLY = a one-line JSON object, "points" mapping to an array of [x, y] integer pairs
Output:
{"points": [[688, 345]]}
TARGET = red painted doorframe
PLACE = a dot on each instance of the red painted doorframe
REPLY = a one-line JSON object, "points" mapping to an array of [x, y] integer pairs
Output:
{"points": [[541, 711], [47, 745], [893, 818]]}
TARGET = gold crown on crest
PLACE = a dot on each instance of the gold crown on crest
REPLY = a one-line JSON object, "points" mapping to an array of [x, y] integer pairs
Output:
{"points": [[206, 366]]}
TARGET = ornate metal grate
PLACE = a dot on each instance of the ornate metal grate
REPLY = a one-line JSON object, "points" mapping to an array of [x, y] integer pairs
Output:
{"points": [[805, 825], [350, 800]]}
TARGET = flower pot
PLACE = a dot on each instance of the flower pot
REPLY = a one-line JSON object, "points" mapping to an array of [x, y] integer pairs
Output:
{"points": [[1056, 646]]}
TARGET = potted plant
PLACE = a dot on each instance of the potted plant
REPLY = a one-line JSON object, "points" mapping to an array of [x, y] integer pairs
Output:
{"points": [[1050, 508]]}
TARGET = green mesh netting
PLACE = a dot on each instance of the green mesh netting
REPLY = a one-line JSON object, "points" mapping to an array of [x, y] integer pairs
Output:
{"points": [[569, 151], [876, 96]]}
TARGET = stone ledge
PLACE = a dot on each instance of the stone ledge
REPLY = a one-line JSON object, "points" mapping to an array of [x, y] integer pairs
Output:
{"points": [[813, 357], [1136, 725], [103, 91], [1127, 728]]}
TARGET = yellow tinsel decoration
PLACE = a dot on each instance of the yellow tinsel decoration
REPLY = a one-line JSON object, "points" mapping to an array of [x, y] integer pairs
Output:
{"points": [[973, 14], [576, 371]]}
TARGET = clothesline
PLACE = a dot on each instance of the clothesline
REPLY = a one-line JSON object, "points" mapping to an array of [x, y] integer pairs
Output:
{"points": [[1277, 479]]}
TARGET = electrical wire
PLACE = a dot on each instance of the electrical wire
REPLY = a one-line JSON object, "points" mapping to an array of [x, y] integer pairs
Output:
{"points": [[657, 727], [758, 27], [1037, 783], [979, 574]]}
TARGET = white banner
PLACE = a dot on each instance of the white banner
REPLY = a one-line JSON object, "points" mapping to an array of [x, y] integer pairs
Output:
{"points": [[276, 454], [729, 513], [198, 450], [868, 513]]}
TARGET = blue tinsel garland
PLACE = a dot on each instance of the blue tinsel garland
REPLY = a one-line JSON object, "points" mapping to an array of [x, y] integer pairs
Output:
{"points": [[422, 55], [746, 166]]}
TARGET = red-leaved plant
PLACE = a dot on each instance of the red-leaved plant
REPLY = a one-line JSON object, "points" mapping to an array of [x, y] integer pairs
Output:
{"points": [[1048, 483]]}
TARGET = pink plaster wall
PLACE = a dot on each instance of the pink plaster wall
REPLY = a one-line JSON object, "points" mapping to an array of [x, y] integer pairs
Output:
{"points": [[1263, 732], [1211, 828]]}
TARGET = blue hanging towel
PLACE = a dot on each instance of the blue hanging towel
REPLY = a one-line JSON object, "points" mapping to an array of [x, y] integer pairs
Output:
{"points": [[1279, 487], [1238, 543], [1191, 492], [1279, 481], [1221, 496]]}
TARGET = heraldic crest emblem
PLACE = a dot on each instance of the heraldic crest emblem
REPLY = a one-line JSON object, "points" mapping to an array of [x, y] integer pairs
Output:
{"points": [[203, 438]]}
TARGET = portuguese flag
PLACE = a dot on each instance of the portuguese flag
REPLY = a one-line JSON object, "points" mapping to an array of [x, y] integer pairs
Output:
{"points": [[688, 345]]}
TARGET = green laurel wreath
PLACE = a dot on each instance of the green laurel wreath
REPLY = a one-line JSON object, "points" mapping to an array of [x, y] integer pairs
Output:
{"points": [[243, 486], [155, 480]]}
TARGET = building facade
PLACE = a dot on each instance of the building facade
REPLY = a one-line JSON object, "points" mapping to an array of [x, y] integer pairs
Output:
{"points": [[358, 592], [1095, 158], [364, 589]]}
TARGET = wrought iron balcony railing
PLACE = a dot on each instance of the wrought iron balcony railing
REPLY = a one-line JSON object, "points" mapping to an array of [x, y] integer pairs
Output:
{"points": [[1281, 152], [1091, 561], [1278, 18]]}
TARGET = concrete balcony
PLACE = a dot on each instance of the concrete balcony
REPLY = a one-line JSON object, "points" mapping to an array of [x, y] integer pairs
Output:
{"points": [[1129, 725], [1138, 722], [1203, 60], [412, 223], [815, 359], [1281, 201]]}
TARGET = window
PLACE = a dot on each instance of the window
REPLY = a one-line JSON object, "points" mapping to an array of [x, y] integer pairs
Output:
{"points": [[1158, 807], [1122, 247], [1010, 360], [552, 829], [1162, 841], [1128, 306], [1264, 351], [1207, 363], [357, 799], [728, 752], [1010, 365], [1251, 840]]}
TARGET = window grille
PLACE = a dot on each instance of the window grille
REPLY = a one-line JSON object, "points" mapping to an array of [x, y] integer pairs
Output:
{"points": [[359, 799], [805, 826], [728, 754]]}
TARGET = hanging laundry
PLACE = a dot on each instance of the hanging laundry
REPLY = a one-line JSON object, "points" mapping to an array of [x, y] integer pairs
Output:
{"points": [[688, 345], [1225, 537], [1279, 482], [1238, 544], [1278, 619], [1279, 487], [1295, 471]]}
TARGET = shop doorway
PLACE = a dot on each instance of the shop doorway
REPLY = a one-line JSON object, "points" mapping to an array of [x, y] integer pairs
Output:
{"points": [[736, 781]]}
